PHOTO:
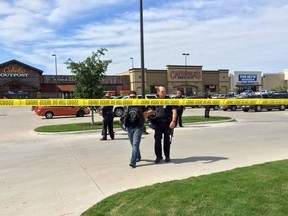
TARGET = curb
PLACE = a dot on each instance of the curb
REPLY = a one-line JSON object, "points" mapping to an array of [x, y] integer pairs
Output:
{"points": [[209, 122], [119, 129]]}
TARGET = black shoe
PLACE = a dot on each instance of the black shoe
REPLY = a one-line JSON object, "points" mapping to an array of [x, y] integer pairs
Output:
{"points": [[167, 160], [132, 165], [181, 125], [112, 138], [103, 139], [138, 159], [158, 160]]}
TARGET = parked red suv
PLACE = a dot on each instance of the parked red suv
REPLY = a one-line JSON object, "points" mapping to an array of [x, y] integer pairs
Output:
{"points": [[50, 111]]}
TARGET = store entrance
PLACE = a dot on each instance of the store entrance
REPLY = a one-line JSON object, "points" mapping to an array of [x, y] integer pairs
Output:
{"points": [[16, 94], [243, 88]]}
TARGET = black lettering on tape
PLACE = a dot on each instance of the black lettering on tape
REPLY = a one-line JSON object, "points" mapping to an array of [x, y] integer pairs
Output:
{"points": [[72, 102], [104, 102], [127, 102], [62, 102], [55, 103], [45, 103], [32, 102], [5, 102]]}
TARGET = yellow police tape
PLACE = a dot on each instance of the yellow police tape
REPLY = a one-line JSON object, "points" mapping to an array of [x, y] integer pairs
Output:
{"points": [[138, 102]]}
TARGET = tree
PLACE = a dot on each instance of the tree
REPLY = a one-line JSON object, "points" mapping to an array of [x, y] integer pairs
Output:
{"points": [[280, 89], [89, 74]]}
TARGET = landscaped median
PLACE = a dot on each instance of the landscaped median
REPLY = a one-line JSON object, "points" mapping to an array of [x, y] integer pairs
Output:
{"points": [[98, 125], [256, 190]]}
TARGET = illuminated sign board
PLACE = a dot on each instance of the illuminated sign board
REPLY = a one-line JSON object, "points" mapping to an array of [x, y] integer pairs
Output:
{"points": [[247, 78]]}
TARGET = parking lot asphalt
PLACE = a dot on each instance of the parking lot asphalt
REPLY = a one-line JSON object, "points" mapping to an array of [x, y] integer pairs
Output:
{"points": [[64, 174]]}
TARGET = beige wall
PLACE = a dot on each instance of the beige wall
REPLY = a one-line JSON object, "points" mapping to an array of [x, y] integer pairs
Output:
{"points": [[152, 78], [135, 80], [285, 71], [273, 80], [210, 78], [224, 81], [180, 77], [156, 78], [177, 77]]}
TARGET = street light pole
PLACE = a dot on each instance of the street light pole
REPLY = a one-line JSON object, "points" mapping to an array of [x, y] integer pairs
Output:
{"points": [[56, 74], [132, 60], [185, 54], [142, 49]]}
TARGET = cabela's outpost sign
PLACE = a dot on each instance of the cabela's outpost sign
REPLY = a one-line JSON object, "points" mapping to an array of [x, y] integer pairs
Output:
{"points": [[13, 72]]}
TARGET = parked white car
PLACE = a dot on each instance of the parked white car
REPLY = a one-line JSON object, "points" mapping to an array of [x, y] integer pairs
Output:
{"points": [[118, 110], [247, 92], [264, 92]]}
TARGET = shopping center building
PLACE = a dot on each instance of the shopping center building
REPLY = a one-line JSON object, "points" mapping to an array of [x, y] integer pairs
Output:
{"points": [[256, 81], [19, 80], [192, 80]]}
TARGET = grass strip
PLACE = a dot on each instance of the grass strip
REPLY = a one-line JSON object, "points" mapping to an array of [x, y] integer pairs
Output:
{"points": [[256, 190], [98, 125]]}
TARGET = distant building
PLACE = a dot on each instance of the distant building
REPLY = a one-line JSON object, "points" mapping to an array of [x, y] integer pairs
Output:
{"points": [[256, 81], [190, 79], [274, 80], [19, 80]]}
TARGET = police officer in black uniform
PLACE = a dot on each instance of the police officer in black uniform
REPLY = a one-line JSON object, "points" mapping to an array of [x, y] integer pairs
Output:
{"points": [[108, 116], [180, 109], [207, 107], [165, 122]]}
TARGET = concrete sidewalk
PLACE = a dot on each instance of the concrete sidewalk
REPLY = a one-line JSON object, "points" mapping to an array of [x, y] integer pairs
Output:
{"points": [[67, 174]]}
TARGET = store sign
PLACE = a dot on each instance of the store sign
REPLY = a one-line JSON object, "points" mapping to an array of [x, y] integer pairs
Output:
{"points": [[185, 75], [14, 72], [247, 78]]}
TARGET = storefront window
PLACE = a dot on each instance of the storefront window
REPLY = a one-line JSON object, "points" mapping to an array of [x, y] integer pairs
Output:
{"points": [[243, 88], [189, 92], [212, 88]]}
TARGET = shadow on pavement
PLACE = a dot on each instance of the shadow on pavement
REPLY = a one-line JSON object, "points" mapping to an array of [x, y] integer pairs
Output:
{"points": [[120, 138], [205, 159]]}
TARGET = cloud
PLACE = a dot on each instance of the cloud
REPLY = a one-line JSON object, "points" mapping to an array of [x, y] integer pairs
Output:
{"points": [[22, 22], [65, 10], [231, 34]]}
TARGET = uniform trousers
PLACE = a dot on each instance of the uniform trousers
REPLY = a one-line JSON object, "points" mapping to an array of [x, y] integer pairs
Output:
{"points": [[108, 124], [179, 116], [162, 129]]}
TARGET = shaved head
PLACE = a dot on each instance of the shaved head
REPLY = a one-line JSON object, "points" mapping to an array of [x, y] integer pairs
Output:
{"points": [[161, 91]]}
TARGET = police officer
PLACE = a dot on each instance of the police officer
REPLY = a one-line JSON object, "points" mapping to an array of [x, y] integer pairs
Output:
{"points": [[207, 108], [165, 121], [180, 109], [108, 116]]}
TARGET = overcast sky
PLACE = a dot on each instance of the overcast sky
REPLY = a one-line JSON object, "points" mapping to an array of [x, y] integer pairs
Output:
{"points": [[239, 35]]}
